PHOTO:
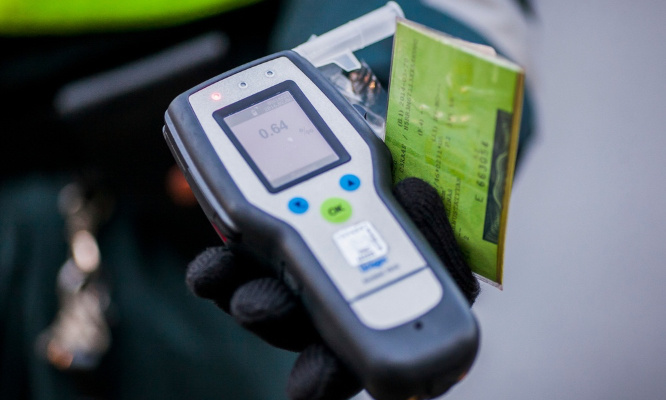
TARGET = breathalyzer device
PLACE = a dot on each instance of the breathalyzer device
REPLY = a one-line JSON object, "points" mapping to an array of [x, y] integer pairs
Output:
{"points": [[284, 166]]}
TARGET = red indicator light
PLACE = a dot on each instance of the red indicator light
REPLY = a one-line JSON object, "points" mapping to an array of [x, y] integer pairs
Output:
{"points": [[216, 96]]}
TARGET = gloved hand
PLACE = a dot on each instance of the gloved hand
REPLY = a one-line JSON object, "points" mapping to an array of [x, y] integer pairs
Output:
{"points": [[261, 303]]}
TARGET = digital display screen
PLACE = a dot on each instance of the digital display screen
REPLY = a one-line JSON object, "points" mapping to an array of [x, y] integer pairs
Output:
{"points": [[281, 140]]}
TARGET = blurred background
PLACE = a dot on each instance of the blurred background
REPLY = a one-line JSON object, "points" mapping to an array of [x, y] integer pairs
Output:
{"points": [[583, 311]]}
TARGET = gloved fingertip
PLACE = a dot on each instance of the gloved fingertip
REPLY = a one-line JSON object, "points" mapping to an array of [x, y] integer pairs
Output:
{"points": [[319, 375], [425, 207], [205, 271], [412, 189], [261, 299], [269, 309]]}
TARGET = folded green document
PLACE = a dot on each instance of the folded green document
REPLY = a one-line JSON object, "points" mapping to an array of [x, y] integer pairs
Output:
{"points": [[453, 120]]}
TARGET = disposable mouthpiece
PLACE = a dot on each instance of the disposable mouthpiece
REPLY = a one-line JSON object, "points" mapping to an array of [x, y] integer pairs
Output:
{"points": [[354, 35]]}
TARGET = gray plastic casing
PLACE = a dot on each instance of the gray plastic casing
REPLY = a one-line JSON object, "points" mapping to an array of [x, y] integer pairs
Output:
{"points": [[421, 352]]}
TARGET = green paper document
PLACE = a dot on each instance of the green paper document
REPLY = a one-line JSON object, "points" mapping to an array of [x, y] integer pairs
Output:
{"points": [[453, 120]]}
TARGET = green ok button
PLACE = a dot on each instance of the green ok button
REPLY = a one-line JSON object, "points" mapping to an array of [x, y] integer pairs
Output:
{"points": [[336, 210]]}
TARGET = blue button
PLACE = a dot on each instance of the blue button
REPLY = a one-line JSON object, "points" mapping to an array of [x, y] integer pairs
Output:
{"points": [[298, 205], [350, 182]]}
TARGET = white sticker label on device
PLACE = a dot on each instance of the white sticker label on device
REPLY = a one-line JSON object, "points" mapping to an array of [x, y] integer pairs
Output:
{"points": [[361, 245]]}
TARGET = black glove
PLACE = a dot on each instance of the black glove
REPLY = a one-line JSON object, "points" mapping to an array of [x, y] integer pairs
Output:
{"points": [[261, 303]]}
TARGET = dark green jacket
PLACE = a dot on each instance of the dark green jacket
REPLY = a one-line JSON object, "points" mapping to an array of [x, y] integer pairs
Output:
{"points": [[166, 343]]}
